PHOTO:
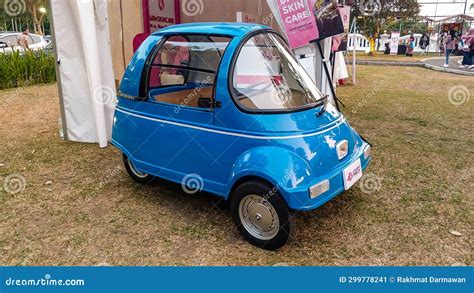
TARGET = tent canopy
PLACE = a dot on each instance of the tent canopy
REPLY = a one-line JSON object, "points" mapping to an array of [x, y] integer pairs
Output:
{"points": [[85, 71]]}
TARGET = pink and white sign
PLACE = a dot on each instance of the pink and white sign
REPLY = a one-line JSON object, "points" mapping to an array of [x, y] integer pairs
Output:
{"points": [[345, 13], [298, 21], [162, 13], [394, 40], [158, 14]]}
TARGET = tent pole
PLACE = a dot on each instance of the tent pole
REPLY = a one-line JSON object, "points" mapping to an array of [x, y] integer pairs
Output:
{"points": [[328, 75], [354, 52], [464, 19], [58, 75]]}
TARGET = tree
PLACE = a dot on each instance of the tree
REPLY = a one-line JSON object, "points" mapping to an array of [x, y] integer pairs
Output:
{"points": [[372, 15], [36, 9], [415, 26], [15, 14]]}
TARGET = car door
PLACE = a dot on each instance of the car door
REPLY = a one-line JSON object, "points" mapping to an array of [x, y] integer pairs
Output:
{"points": [[177, 138], [11, 42], [37, 42]]}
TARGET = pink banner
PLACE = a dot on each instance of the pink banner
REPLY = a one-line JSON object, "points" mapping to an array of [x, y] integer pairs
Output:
{"points": [[298, 20], [158, 14], [345, 13]]}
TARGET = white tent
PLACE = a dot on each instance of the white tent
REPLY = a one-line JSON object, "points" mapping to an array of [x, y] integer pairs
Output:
{"points": [[85, 71]]}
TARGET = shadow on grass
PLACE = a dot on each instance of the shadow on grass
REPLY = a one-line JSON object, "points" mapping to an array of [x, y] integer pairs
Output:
{"points": [[214, 212]]}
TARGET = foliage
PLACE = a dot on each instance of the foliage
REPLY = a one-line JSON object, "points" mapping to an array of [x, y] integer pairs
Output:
{"points": [[22, 69], [28, 15], [383, 12], [406, 27], [37, 17]]}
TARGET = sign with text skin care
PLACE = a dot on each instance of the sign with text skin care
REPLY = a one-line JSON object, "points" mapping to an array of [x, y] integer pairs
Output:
{"points": [[298, 21]]}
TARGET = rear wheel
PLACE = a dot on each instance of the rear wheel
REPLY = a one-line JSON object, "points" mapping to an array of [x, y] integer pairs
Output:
{"points": [[261, 215], [136, 175]]}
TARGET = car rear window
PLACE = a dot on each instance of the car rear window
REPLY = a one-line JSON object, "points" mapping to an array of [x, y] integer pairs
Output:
{"points": [[187, 59]]}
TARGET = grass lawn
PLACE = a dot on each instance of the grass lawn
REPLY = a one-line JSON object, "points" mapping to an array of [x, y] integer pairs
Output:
{"points": [[80, 207]]}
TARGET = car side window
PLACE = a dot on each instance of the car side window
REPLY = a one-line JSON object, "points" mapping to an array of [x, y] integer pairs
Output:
{"points": [[35, 39], [169, 63], [184, 69]]}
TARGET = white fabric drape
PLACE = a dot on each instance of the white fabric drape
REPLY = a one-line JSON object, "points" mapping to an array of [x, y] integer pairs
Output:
{"points": [[340, 68], [86, 72]]}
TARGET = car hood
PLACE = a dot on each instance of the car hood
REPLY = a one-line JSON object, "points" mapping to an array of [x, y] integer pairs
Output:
{"points": [[294, 123], [312, 138]]}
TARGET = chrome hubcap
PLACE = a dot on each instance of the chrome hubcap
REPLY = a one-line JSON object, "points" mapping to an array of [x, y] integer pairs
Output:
{"points": [[135, 171], [259, 217]]}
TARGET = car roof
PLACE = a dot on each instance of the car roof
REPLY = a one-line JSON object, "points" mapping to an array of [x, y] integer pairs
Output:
{"points": [[233, 29], [4, 34]]}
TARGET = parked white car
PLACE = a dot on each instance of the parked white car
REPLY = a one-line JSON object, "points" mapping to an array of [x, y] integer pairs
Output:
{"points": [[9, 42]]}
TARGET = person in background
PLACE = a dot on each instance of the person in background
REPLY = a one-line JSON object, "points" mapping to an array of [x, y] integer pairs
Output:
{"points": [[424, 43], [441, 43], [468, 50], [23, 40], [387, 49], [411, 46], [449, 47]]}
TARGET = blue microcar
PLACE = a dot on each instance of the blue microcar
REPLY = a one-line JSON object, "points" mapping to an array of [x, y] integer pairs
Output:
{"points": [[227, 109]]}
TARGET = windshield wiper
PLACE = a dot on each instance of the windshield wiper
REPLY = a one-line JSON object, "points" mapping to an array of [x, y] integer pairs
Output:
{"points": [[323, 102]]}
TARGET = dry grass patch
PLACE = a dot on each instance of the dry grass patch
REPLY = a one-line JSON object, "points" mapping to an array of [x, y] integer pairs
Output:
{"points": [[92, 213]]}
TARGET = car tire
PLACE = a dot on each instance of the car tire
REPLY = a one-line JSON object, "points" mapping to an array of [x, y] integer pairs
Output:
{"points": [[136, 175], [261, 215]]}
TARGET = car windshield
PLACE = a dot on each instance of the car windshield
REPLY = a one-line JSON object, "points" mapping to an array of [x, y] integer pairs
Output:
{"points": [[268, 77]]}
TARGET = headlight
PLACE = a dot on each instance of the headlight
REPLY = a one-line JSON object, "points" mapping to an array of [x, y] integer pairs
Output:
{"points": [[319, 189], [342, 149], [367, 152]]}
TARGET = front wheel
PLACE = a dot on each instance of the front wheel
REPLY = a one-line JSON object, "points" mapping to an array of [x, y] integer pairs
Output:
{"points": [[136, 175], [261, 215]]}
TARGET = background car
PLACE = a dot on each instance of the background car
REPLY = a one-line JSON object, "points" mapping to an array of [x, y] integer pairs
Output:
{"points": [[37, 42], [49, 49]]}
